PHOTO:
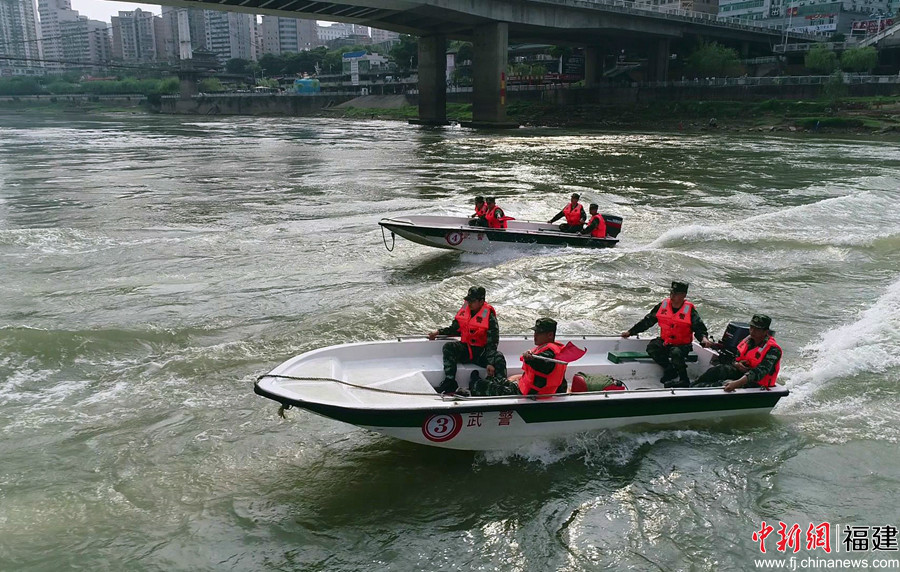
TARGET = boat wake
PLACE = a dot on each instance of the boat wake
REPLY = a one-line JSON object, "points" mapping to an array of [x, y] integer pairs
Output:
{"points": [[871, 344], [853, 220]]}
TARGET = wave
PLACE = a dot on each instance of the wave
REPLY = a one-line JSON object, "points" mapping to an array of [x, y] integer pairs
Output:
{"points": [[852, 220], [871, 344]]}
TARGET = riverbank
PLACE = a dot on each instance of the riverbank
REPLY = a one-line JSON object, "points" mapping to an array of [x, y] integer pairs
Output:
{"points": [[878, 115], [872, 115]]}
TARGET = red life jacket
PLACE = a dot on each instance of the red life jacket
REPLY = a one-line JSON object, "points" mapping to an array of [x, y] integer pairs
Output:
{"points": [[473, 330], [551, 381], [493, 220], [480, 211], [753, 357], [600, 231], [573, 215], [675, 328]]}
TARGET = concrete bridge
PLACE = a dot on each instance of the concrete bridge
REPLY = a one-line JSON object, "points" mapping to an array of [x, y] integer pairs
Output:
{"points": [[597, 25]]}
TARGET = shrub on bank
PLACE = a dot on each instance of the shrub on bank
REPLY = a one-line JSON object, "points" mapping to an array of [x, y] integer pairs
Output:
{"points": [[830, 122]]}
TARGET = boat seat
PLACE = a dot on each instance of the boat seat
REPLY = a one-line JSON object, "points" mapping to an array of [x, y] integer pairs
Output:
{"points": [[622, 357]]}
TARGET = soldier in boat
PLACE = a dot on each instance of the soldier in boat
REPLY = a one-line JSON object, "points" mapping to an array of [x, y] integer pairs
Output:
{"points": [[479, 332], [757, 363], [478, 219], [678, 322], [574, 213], [596, 227], [540, 375], [494, 215]]}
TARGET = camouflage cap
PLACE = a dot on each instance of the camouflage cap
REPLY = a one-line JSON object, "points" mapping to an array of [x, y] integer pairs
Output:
{"points": [[544, 325], [475, 293], [679, 287], [760, 321]]}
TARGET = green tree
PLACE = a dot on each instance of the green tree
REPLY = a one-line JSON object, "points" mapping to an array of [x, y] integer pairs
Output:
{"points": [[859, 59], [713, 59], [271, 64], [239, 66], [211, 85], [406, 52], [464, 53], [21, 86], [835, 89], [820, 59]]}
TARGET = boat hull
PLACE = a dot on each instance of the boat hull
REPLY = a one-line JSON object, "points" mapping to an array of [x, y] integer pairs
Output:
{"points": [[389, 388], [466, 424], [454, 233]]}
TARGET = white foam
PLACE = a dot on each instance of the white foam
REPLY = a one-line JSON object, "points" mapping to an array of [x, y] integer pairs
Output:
{"points": [[851, 220], [871, 344]]}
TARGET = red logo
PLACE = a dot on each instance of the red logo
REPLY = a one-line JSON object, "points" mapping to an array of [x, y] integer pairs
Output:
{"points": [[455, 237], [442, 427]]}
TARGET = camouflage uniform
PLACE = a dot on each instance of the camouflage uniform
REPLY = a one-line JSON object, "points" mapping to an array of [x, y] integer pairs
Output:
{"points": [[671, 358], [718, 374], [499, 385], [458, 352]]}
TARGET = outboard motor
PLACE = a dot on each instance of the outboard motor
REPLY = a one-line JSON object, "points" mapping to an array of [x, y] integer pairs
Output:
{"points": [[735, 332], [613, 225]]}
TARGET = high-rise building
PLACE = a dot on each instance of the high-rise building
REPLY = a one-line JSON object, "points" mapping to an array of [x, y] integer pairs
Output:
{"points": [[183, 31], [134, 36], [335, 31], [388, 37], [85, 43], [281, 35], [19, 38], [229, 35], [52, 14]]}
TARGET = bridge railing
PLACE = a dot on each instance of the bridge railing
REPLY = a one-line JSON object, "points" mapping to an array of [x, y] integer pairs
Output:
{"points": [[833, 46], [854, 79], [678, 14], [875, 38]]}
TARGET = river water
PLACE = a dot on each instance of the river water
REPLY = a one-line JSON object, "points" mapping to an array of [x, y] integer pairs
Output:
{"points": [[153, 266]]}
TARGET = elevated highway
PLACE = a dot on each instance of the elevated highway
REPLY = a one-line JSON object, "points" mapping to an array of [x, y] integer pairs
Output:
{"points": [[597, 25]]}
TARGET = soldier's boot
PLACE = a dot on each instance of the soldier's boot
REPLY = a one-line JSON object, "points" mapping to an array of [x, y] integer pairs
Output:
{"points": [[669, 374], [682, 380], [449, 385]]}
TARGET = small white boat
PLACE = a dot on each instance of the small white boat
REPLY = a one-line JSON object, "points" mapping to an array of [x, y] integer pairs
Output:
{"points": [[455, 233], [389, 387]]}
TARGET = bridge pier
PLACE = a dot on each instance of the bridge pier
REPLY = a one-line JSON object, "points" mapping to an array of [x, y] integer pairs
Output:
{"points": [[489, 77], [432, 81], [593, 66], [658, 61]]}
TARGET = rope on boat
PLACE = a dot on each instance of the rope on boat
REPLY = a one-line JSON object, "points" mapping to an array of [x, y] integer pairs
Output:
{"points": [[384, 240], [347, 383], [455, 397]]}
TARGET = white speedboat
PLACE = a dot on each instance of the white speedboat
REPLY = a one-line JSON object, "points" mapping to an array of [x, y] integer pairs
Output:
{"points": [[389, 387], [455, 233]]}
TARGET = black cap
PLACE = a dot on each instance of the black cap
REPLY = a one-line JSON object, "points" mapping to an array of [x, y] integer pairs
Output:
{"points": [[479, 198], [544, 325], [489, 199], [594, 206], [576, 196], [475, 293], [760, 321], [679, 287]]}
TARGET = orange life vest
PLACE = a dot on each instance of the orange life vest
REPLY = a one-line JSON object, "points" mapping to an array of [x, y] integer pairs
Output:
{"points": [[675, 328], [473, 330], [493, 220], [573, 215], [550, 382], [600, 231], [753, 357]]}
